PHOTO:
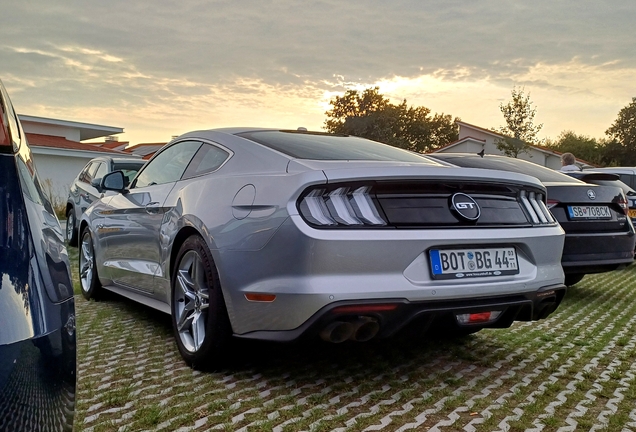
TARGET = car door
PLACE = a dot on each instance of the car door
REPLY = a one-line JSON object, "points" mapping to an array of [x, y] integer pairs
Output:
{"points": [[132, 221]]}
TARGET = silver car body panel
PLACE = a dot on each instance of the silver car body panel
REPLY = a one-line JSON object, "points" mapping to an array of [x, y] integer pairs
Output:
{"points": [[247, 213]]}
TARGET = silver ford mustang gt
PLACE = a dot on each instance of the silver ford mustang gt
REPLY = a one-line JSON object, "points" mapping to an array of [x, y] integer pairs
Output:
{"points": [[282, 234]]}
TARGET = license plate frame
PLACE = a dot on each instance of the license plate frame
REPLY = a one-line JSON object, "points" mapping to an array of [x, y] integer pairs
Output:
{"points": [[484, 260], [589, 212]]}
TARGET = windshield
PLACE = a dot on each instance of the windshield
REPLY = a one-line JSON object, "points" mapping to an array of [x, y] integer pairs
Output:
{"points": [[320, 146]]}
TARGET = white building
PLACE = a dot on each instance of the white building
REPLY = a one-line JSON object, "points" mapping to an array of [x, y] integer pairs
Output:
{"points": [[58, 153], [473, 139]]}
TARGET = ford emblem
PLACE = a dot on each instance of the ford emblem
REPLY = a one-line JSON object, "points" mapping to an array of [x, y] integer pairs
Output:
{"points": [[591, 194]]}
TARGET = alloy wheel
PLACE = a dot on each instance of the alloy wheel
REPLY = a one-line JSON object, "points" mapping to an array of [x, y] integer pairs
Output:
{"points": [[191, 301], [86, 261], [70, 226]]}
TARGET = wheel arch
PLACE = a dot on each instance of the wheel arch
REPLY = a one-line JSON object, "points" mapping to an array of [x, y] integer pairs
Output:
{"points": [[179, 239]]}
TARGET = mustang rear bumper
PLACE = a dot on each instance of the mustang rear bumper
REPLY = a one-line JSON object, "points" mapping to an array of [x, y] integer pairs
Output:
{"points": [[394, 315]]}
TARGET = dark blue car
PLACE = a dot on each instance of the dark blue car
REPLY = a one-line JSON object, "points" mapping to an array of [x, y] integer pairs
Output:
{"points": [[37, 309]]}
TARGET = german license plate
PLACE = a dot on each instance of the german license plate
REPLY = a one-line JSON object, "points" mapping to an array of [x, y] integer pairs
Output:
{"points": [[632, 213], [471, 263], [589, 212]]}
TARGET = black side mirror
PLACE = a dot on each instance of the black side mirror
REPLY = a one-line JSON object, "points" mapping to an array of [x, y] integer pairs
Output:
{"points": [[97, 184], [114, 181]]}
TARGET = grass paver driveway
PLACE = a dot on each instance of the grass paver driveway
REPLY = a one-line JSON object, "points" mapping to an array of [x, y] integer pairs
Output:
{"points": [[573, 371]]}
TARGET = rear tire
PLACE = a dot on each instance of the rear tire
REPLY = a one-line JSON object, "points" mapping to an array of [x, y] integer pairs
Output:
{"points": [[71, 229], [89, 279], [573, 279], [199, 318]]}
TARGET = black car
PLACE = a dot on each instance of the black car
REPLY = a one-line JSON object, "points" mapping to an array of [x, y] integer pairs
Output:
{"points": [[609, 179], [598, 234], [37, 309], [83, 192]]}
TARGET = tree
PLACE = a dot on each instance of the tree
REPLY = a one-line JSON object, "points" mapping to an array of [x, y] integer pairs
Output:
{"points": [[520, 128], [622, 134], [581, 146], [372, 115]]}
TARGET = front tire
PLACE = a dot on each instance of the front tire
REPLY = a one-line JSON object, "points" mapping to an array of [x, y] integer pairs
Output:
{"points": [[89, 280], [71, 229], [199, 318]]}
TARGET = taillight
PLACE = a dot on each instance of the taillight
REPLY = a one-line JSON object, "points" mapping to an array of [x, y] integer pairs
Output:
{"points": [[343, 206], [535, 207], [622, 201], [552, 203]]}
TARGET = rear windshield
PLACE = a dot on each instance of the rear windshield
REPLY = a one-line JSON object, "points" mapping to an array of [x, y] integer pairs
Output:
{"points": [[626, 189], [509, 164], [318, 146]]}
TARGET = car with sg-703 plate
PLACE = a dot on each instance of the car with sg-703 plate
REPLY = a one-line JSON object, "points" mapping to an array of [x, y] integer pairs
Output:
{"points": [[37, 307], [280, 235], [599, 236], [83, 190]]}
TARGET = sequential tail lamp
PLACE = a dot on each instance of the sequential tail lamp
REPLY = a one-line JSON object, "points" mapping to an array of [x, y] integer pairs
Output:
{"points": [[360, 309], [344, 206], [258, 297], [478, 318]]}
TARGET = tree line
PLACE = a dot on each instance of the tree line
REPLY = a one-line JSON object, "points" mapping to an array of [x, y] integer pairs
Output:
{"points": [[370, 114]]}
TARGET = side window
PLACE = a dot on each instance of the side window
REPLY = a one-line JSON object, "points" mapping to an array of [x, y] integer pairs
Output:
{"points": [[90, 174], [83, 177], [101, 171], [627, 179], [169, 165], [209, 158]]}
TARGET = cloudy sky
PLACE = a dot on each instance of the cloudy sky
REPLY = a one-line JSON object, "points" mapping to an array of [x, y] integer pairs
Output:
{"points": [[161, 68]]}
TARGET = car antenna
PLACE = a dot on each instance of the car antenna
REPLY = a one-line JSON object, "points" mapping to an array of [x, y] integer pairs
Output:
{"points": [[481, 153]]}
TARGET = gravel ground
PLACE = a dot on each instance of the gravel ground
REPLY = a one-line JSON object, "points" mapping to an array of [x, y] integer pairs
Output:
{"points": [[573, 371]]}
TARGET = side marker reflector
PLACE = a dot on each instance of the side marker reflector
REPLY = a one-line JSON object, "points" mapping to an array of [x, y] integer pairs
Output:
{"points": [[268, 298]]}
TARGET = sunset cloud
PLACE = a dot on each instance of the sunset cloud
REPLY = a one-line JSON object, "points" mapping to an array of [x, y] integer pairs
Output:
{"points": [[162, 68]]}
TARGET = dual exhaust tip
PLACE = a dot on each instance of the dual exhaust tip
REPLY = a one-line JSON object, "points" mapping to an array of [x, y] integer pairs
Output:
{"points": [[360, 330]]}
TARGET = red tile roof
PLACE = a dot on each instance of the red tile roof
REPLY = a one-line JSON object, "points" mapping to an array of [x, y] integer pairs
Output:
{"points": [[113, 144], [146, 150], [62, 143]]}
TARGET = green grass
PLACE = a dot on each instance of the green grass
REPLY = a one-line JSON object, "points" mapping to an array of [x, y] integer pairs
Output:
{"points": [[132, 377]]}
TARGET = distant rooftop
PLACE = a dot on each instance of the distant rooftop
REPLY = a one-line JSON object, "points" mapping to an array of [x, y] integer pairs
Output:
{"points": [[83, 131], [63, 143]]}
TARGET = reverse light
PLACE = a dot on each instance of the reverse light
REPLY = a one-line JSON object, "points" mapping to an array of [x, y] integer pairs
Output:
{"points": [[478, 318], [343, 206]]}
